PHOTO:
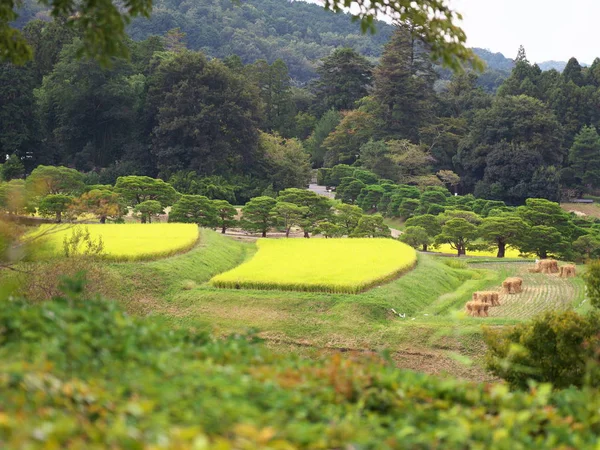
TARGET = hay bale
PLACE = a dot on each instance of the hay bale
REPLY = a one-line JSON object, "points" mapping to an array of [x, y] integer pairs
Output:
{"points": [[477, 309], [491, 298], [512, 285], [567, 271], [548, 266]]}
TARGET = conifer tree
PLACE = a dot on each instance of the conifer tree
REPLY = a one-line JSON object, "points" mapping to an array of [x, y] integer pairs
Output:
{"points": [[584, 156], [403, 85]]}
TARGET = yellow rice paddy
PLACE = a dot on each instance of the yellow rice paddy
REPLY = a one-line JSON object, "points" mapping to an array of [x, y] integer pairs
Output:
{"points": [[125, 242], [325, 265]]}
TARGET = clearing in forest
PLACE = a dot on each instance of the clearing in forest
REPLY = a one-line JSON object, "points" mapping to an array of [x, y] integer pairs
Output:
{"points": [[320, 265], [123, 242], [582, 209]]}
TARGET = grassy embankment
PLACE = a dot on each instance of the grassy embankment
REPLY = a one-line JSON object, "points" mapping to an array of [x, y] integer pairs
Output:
{"points": [[430, 297], [431, 333]]}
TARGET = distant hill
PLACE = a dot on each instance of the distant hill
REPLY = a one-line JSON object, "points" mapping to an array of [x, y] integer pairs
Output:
{"points": [[556, 65], [495, 61], [297, 32]]}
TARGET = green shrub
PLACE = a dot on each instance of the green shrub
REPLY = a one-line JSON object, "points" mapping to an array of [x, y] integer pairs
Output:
{"points": [[79, 373], [556, 347], [592, 282]]}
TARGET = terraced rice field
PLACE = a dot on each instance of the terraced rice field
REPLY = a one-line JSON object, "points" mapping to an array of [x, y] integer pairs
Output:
{"points": [[124, 242], [541, 292], [320, 265]]}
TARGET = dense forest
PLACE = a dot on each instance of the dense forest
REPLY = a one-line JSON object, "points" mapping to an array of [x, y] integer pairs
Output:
{"points": [[245, 122]]}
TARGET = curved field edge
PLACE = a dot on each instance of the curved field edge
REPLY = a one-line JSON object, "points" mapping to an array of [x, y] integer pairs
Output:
{"points": [[50, 244], [306, 263], [159, 279]]}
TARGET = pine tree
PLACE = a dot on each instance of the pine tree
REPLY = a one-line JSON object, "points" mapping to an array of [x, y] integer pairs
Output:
{"points": [[344, 77], [584, 156], [404, 85], [521, 56], [573, 72]]}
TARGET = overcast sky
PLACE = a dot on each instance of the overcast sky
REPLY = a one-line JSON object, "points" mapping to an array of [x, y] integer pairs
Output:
{"points": [[548, 29]]}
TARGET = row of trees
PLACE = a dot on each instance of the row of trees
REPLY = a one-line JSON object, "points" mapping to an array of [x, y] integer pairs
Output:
{"points": [[60, 193], [539, 227]]}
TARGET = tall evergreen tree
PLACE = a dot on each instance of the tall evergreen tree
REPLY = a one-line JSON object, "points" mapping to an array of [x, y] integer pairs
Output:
{"points": [[314, 144], [344, 77], [584, 157], [573, 72], [274, 84], [204, 116], [521, 55], [403, 85], [17, 111]]}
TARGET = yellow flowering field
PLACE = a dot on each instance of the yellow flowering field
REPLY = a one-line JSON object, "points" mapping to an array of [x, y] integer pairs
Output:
{"points": [[124, 242], [510, 252], [325, 265]]}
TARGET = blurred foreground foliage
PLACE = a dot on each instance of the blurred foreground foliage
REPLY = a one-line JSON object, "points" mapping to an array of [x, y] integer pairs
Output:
{"points": [[78, 372]]}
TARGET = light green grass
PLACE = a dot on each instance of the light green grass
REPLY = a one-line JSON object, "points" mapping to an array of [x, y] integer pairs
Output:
{"points": [[123, 242], [394, 222], [320, 265]]}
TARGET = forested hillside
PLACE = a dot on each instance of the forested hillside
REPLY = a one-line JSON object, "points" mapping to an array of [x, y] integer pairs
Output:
{"points": [[243, 121], [297, 32]]}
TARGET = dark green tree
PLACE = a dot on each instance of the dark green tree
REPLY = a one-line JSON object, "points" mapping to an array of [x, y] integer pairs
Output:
{"points": [[289, 215], [584, 157], [138, 189], [18, 131], [416, 237], [344, 77], [542, 240], [55, 205], [518, 120], [403, 85], [204, 116], [314, 144], [371, 226], [458, 233], [196, 209], [148, 209], [257, 215], [12, 168], [225, 214], [573, 72], [87, 113], [503, 230], [428, 222], [347, 216], [316, 207]]}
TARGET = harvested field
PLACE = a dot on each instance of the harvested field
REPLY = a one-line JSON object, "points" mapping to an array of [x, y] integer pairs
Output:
{"points": [[582, 209], [540, 293]]}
